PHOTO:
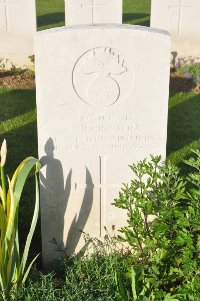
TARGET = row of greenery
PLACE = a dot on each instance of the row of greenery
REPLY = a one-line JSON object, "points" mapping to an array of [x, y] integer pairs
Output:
{"points": [[163, 210]]}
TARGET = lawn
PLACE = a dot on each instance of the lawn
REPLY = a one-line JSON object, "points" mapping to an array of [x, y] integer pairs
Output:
{"points": [[18, 122], [51, 13]]}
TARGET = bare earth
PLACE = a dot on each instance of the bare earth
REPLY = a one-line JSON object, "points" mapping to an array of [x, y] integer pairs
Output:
{"points": [[179, 83], [19, 80]]}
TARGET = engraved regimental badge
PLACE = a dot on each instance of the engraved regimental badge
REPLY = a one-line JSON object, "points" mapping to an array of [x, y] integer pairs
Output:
{"points": [[99, 75]]}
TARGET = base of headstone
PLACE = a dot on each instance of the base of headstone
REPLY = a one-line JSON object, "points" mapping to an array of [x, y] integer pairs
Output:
{"points": [[185, 46], [12, 50]]}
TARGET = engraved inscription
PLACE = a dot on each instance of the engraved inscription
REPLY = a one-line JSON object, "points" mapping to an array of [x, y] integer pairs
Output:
{"points": [[107, 133], [98, 76], [180, 8]]}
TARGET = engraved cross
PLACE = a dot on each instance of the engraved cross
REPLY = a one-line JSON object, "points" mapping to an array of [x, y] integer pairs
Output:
{"points": [[180, 8], [102, 185], [5, 3], [93, 6]]}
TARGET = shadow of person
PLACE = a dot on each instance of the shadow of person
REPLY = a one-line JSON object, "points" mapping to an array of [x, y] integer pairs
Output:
{"points": [[54, 197], [78, 223]]}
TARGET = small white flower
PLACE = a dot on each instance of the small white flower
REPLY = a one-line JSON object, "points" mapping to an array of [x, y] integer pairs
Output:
{"points": [[3, 153]]}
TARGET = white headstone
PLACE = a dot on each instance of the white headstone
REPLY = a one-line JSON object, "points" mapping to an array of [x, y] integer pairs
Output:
{"points": [[93, 11], [102, 103], [17, 29], [182, 19]]}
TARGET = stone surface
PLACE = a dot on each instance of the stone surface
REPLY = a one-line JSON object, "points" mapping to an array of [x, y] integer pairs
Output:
{"points": [[102, 103], [93, 11], [182, 19], [17, 29]]}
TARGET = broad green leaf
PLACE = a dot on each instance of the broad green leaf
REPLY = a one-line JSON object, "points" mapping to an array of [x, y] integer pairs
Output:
{"points": [[11, 268], [21, 174], [3, 185], [121, 288], [11, 217], [1, 193], [2, 217], [32, 229]]}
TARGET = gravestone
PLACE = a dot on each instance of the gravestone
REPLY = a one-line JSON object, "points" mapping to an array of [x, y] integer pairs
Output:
{"points": [[17, 29], [182, 19], [102, 103], [93, 11]]}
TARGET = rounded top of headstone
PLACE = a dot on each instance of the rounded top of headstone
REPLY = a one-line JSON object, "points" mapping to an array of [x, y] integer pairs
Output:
{"points": [[104, 27]]}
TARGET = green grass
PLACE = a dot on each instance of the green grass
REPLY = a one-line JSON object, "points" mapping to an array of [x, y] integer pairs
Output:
{"points": [[137, 12], [184, 126], [51, 13], [91, 277], [18, 124]]}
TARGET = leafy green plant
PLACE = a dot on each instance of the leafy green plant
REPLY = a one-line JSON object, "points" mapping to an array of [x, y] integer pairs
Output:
{"points": [[189, 68], [14, 70], [32, 58], [2, 64], [13, 269], [91, 275], [124, 294], [163, 229], [88, 276], [31, 73], [41, 289]]}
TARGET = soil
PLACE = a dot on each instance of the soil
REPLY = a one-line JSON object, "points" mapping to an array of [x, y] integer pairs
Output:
{"points": [[24, 79], [179, 83]]}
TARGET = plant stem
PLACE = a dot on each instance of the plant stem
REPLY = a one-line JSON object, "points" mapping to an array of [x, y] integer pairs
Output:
{"points": [[137, 237], [147, 226], [135, 230]]}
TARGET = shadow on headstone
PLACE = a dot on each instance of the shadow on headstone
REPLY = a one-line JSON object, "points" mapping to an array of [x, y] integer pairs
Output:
{"points": [[79, 222], [56, 192]]}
